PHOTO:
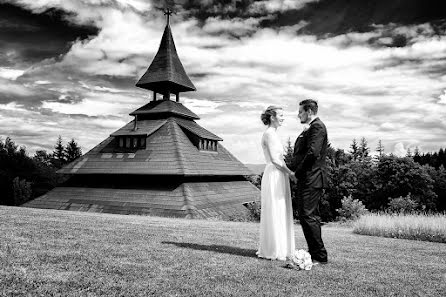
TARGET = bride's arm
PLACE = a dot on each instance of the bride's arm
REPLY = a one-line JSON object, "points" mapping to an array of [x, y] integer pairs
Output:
{"points": [[276, 159]]}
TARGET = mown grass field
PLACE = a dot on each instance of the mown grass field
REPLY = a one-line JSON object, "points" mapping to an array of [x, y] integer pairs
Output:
{"points": [[405, 226], [60, 253]]}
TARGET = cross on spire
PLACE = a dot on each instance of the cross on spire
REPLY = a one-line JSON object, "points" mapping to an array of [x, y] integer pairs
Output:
{"points": [[168, 12]]}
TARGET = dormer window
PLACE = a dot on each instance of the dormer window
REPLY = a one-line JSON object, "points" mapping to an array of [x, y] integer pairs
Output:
{"points": [[132, 142], [207, 145]]}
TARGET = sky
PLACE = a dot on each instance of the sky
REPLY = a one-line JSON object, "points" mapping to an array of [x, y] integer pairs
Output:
{"points": [[377, 68]]}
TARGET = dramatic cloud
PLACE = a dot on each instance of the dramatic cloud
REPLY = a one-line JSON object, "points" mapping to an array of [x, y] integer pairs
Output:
{"points": [[378, 71]]}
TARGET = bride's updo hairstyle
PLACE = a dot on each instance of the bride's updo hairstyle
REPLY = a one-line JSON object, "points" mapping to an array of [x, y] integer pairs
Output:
{"points": [[268, 113]]}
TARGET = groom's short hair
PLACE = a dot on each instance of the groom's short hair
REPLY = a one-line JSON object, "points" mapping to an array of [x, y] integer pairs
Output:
{"points": [[309, 104]]}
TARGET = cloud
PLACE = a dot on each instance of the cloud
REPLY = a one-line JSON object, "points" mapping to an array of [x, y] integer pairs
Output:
{"points": [[399, 150], [10, 89], [234, 27], [329, 18], [8, 73], [442, 98], [93, 104], [32, 36], [367, 82]]}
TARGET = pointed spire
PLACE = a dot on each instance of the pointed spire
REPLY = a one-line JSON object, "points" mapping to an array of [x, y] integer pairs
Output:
{"points": [[166, 74]]}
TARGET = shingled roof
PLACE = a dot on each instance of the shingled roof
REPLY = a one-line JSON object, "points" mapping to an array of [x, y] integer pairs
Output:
{"points": [[168, 151], [189, 200], [164, 107], [166, 73]]}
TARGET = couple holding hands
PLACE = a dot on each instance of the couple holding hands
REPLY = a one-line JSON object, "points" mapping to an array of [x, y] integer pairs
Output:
{"points": [[308, 170]]}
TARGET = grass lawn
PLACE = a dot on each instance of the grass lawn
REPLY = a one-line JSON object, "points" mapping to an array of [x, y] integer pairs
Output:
{"points": [[61, 253]]}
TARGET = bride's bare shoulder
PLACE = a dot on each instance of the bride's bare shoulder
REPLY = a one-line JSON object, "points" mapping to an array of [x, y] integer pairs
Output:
{"points": [[267, 135]]}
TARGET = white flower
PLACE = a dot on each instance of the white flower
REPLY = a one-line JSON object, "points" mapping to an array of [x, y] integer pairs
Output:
{"points": [[302, 259]]}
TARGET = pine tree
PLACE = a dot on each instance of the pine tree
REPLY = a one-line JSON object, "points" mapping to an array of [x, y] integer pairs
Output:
{"points": [[58, 159], [354, 149], [409, 153], [288, 152], [363, 148], [442, 157], [58, 152], [380, 148], [72, 151]]}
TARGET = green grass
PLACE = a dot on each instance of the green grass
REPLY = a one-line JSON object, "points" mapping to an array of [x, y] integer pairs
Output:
{"points": [[61, 253], [415, 227]]}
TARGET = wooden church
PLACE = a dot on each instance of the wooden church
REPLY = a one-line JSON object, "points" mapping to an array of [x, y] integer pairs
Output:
{"points": [[161, 163]]}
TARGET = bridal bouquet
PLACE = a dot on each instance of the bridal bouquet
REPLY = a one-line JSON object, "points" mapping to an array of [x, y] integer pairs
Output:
{"points": [[302, 259]]}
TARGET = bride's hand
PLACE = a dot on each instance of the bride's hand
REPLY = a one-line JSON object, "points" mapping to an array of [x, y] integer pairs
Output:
{"points": [[293, 178]]}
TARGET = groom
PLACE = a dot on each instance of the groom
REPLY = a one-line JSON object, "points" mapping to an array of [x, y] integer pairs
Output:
{"points": [[308, 163]]}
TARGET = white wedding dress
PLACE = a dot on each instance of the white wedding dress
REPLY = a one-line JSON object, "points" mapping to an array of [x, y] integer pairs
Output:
{"points": [[276, 216]]}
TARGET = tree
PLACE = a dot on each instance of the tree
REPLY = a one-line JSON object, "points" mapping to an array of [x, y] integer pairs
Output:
{"points": [[14, 163], [21, 190], [42, 157], [397, 177], [416, 155], [72, 151], [439, 177], [363, 148], [289, 150], [10, 146], [59, 154], [380, 148], [354, 149], [409, 153]]}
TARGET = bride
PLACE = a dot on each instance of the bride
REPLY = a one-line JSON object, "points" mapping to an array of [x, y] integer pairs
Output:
{"points": [[276, 216]]}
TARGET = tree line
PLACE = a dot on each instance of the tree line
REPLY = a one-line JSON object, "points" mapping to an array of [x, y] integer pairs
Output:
{"points": [[383, 181], [23, 178], [380, 181]]}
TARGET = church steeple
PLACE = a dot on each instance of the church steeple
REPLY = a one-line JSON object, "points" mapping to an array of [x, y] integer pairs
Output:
{"points": [[166, 74]]}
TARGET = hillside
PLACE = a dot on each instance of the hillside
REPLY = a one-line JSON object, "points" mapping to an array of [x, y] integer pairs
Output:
{"points": [[47, 253]]}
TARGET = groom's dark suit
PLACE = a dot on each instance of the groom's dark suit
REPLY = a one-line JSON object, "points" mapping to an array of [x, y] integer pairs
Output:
{"points": [[309, 165]]}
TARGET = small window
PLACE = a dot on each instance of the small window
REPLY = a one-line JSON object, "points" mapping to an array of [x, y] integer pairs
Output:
{"points": [[121, 141], [207, 145], [127, 142], [143, 142], [135, 142]]}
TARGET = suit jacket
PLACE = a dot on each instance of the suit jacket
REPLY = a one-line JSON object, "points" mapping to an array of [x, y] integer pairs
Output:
{"points": [[310, 150]]}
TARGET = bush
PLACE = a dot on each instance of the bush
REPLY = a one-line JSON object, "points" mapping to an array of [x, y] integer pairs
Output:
{"points": [[21, 190], [402, 204], [351, 209], [254, 211], [401, 176], [256, 180]]}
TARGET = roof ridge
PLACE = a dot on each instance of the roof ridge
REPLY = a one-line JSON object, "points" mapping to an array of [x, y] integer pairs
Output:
{"points": [[186, 125], [181, 158]]}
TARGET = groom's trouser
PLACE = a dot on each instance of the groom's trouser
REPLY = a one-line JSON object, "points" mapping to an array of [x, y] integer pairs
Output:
{"points": [[308, 208]]}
